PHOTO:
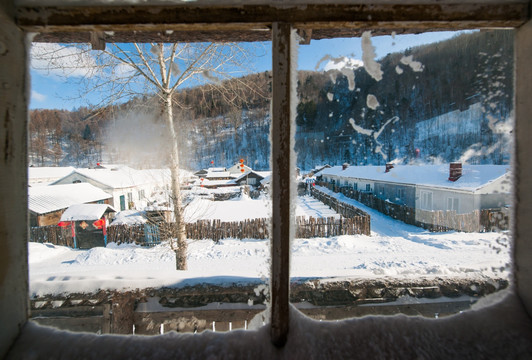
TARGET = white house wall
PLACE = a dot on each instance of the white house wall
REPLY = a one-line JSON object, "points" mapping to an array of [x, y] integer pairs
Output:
{"points": [[467, 201]]}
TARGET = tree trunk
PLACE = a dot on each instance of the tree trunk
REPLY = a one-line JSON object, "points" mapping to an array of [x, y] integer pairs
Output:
{"points": [[179, 245]]}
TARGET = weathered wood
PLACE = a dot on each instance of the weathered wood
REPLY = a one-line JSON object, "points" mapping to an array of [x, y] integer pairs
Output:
{"points": [[106, 319], [283, 166], [122, 313], [522, 209], [92, 324], [190, 22]]}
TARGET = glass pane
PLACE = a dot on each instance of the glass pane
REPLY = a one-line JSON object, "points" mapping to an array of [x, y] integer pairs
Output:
{"points": [[404, 144], [149, 175]]}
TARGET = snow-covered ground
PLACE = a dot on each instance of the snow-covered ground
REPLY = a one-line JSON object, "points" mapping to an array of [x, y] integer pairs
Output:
{"points": [[394, 250]]}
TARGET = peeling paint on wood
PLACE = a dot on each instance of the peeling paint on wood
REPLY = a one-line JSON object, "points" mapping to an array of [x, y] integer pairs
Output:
{"points": [[253, 22], [7, 134]]}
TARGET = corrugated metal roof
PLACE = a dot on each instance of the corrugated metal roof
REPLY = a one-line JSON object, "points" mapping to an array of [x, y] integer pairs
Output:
{"points": [[45, 199]]}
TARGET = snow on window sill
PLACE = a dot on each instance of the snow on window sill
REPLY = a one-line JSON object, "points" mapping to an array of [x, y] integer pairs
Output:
{"points": [[497, 327]]}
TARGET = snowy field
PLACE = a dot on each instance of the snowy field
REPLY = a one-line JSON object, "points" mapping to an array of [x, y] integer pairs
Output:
{"points": [[394, 250]]}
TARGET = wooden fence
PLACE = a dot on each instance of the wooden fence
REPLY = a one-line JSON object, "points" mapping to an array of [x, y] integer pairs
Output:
{"points": [[52, 234], [486, 220], [326, 227], [216, 230]]}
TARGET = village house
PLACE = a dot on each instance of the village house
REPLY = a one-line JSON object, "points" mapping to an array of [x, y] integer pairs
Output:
{"points": [[216, 177], [237, 175], [46, 204], [429, 187], [129, 187], [251, 177]]}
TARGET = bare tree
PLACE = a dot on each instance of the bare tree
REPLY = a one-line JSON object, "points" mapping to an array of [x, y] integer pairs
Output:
{"points": [[126, 70]]}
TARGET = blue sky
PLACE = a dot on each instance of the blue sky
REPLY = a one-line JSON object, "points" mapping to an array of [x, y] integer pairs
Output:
{"points": [[52, 92]]}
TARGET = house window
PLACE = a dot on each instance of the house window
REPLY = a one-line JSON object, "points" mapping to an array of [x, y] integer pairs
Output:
{"points": [[368, 187], [453, 204], [355, 186], [122, 203], [141, 194], [426, 200], [401, 194]]}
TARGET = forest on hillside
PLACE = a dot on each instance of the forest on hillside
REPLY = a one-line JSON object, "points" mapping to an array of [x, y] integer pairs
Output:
{"points": [[446, 101]]}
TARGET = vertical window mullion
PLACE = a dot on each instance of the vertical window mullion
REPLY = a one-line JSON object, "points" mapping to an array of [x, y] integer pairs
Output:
{"points": [[283, 171]]}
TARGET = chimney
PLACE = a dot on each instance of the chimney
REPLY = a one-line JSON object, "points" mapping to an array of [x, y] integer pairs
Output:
{"points": [[345, 166], [455, 171], [389, 166]]}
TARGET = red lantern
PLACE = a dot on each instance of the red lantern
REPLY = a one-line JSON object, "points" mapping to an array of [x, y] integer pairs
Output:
{"points": [[242, 170], [212, 162], [201, 179], [241, 160], [241, 165], [99, 224]]}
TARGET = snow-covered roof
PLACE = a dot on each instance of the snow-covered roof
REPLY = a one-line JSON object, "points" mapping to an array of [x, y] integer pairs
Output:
{"points": [[473, 176], [262, 174], [45, 199], [129, 217], [266, 180], [111, 166], [207, 182], [47, 174], [235, 169], [218, 174], [115, 178], [85, 212]]}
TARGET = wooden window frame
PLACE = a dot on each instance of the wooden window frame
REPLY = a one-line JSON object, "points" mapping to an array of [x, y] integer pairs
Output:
{"points": [[226, 21]]}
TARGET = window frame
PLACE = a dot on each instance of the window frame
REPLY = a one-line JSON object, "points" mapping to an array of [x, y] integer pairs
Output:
{"points": [[58, 18], [454, 203], [424, 196]]}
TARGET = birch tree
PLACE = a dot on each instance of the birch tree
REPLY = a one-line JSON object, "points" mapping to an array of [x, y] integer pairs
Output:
{"points": [[126, 70]]}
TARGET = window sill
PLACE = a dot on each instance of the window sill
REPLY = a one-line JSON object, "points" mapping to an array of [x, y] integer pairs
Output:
{"points": [[501, 330]]}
